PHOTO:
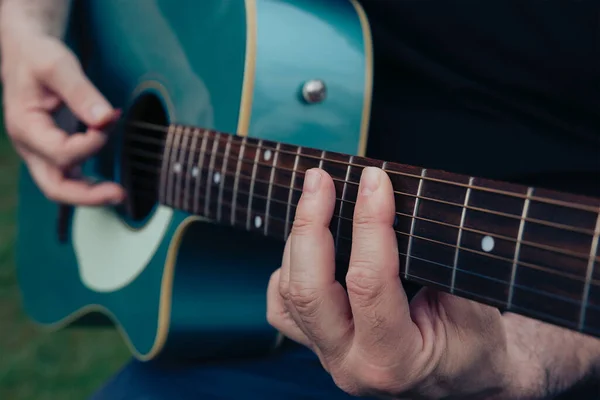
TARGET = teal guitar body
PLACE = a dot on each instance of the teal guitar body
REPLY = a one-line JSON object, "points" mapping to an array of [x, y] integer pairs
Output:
{"points": [[173, 284]]}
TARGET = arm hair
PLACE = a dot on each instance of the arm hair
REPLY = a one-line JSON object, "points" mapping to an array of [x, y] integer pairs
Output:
{"points": [[549, 360]]}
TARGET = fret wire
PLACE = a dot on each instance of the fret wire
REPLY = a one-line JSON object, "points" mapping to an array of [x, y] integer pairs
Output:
{"points": [[492, 256], [485, 277], [291, 192], [413, 223], [223, 175], [476, 188], [441, 223], [339, 225], [210, 174], [200, 170], [513, 273], [237, 179], [589, 274], [270, 190], [191, 157], [467, 271], [460, 231], [473, 188], [166, 169], [180, 161], [252, 182], [172, 161]]}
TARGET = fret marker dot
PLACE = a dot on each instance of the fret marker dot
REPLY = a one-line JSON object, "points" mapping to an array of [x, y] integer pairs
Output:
{"points": [[257, 221], [195, 172], [267, 155], [177, 168], [217, 178], [487, 244]]}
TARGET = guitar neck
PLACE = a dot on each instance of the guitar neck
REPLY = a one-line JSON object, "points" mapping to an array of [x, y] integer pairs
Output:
{"points": [[526, 250]]}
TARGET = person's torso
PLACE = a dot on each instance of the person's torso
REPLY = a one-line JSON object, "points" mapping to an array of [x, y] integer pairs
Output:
{"points": [[501, 88]]}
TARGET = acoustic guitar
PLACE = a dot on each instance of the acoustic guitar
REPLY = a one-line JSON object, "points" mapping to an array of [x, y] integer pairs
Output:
{"points": [[226, 105]]}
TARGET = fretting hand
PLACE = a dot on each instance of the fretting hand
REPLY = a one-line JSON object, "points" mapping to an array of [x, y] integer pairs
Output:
{"points": [[372, 341]]}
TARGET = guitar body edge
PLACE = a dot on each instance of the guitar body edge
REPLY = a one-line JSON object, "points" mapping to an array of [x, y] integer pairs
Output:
{"points": [[174, 285]]}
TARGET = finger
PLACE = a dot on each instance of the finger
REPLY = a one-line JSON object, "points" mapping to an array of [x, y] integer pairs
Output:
{"points": [[284, 281], [284, 285], [284, 288], [43, 137], [63, 75], [318, 298], [56, 187], [379, 303], [278, 315]]}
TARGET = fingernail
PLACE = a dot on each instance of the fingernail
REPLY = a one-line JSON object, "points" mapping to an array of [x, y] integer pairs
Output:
{"points": [[99, 112], [312, 179], [369, 180]]}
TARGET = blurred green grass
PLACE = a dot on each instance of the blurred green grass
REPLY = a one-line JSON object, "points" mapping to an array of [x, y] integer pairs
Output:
{"points": [[36, 364]]}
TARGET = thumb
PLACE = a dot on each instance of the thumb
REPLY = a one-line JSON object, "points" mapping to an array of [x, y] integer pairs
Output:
{"points": [[65, 77]]}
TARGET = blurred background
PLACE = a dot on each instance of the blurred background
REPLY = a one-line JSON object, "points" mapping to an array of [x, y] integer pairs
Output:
{"points": [[36, 363]]}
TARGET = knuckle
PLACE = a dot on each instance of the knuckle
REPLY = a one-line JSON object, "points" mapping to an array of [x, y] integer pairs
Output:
{"points": [[303, 224], [363, 217], [362, 281], [52, 194], [305, 300], [61, 160], [284, 290], [366, 218], [50, 66], [59, 155]]}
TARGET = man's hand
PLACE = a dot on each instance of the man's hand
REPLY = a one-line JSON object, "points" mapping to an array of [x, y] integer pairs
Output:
{"points": [[40, 74], [371, 340]]}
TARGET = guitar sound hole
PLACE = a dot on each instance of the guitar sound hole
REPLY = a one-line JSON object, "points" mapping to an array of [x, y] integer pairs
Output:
{"points": [[144, 138]]}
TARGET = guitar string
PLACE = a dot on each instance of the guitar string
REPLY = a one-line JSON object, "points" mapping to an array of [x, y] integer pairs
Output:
{"points": [[400, 214], [488, 255], [218, 137], [149, 186], [566, 204], [560, 226], [520, 263], [442, 265], [502, 304], [556, 225]]}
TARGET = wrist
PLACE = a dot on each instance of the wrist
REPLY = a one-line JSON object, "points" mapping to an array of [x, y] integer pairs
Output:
{"points": [[546, 360], [25, 18]]}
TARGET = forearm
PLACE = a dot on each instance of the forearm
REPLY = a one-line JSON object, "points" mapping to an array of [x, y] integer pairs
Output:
{"points": [[548, 360], [22, 17]]}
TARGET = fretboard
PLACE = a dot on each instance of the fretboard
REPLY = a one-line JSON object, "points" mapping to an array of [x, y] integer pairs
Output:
{"points": [[527, 250]]}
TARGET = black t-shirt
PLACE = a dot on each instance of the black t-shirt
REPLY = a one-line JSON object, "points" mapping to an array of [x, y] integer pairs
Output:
{"points": [[504, 89]]}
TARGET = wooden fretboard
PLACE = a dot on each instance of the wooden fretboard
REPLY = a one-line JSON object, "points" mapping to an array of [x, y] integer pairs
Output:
{"points": [[527, 250]]}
